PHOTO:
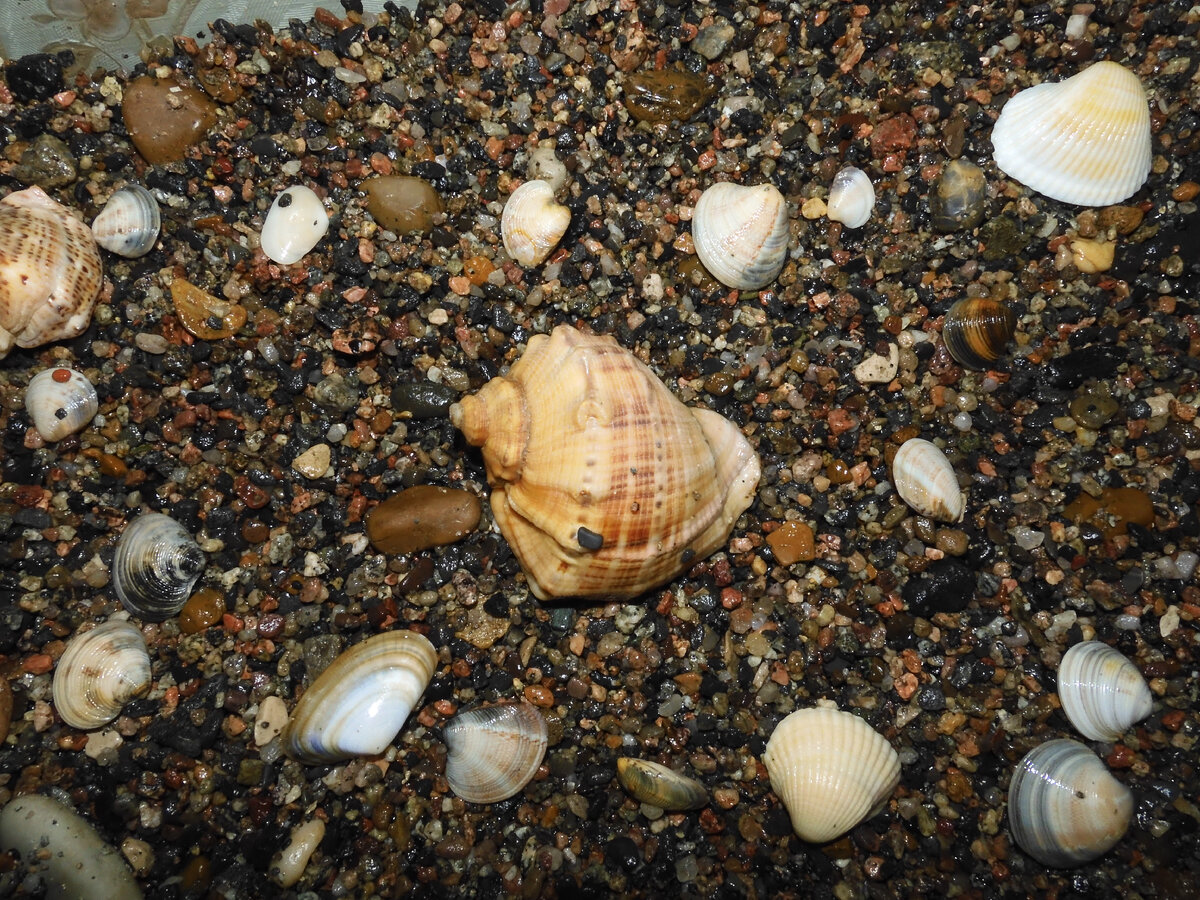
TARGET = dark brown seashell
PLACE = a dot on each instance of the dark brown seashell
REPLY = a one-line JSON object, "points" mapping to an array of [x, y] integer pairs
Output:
{"points": [[977, 329]]}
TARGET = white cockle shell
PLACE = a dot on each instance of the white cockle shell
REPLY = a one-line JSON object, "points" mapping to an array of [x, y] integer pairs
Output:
{"points": [[851, 197], [1101, 690], [926, 481], [295, 223], [99, 672], [603, 482], [1085, 140], [155, 566], [129, 223], [1064, 807], [60, 401], [831, 770], [533, 222], [741, 234], [494, 751], [357, 706]]}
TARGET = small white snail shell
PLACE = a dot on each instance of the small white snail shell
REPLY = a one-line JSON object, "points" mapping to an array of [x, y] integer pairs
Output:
{"points": [[494, 751], [100, 671], [295, 223], [1101, 690], [741, 234], [155, 566], [129, 223], [60, 401], [926, 481], [533, 222], [851, 197]]}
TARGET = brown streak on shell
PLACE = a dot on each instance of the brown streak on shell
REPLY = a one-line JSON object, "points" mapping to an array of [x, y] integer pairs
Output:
{"points": [[656, 784], [977, 329]]}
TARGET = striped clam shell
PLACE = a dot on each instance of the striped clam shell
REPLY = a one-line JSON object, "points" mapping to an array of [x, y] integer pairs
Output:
{"points": [[155, 566], [741, 234], [100, 671], [977, 329], [1101, 690], [494, 751], [926, 481], [129, 223]]}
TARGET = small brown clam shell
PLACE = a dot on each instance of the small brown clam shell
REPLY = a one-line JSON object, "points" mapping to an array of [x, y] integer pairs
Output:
{"points": [[100, 671], [494, 751], [977, 329], [660, 786]]}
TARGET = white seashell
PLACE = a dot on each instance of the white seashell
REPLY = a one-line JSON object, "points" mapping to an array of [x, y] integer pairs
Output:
{"points": [[741, 234], [831, 770], [1102, 691], [359, 703], [658, 785], [533, 222], [925, 480], [1085, 140], [100, 671], [494, 751], [295, 223], [1064, 807], [289, 863], [155, 566], [851, 197], [60, 401], [129, 223]]}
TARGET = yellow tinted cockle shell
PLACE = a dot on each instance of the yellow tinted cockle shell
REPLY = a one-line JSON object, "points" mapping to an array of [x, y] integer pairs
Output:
{"points": [[494, 750], [926, 481], [50, 271], [100, 671], [60, 401], [603, 482], [533, 222], [741, 234], [1101, 690]]}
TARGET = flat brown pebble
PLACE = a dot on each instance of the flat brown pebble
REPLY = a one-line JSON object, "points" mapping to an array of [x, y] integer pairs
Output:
{"points": [[165, 119], [661, 96], [1125, 219], [1185, 192], [539, 695], [421, 517], [6, 706], [402, 203], [203, 609], [792, 542], [255, 531], [454, 847]]}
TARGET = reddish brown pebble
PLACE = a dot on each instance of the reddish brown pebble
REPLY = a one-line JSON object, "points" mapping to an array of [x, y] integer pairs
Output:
{"points": [[203, 609], [164, 119], [1121, 757], [539, 695], [402, 203], [422, 517], [6, 707], [255, 532], [897, 132], [1185, 192], [792, 542]]}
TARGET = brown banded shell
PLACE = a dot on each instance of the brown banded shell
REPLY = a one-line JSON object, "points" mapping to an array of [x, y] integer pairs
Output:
{"points": [[741, 234], [658, 785], [60, 401], [533, 222], [100, 671], [50, 271], [926, 481], [603, 482], [357, 706], [977, 329], [494, 751], [155, 566], [129, 223]]}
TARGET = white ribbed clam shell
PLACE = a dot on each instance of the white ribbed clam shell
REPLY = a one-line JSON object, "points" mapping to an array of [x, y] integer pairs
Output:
{"points": [[494, 751], [533, 222], [129, 223], [359, 703], [831, 770], [1064, 807], [60, 401], [1101, 690], [100, 671], [155, 566], [1085, 140], [925, 480], [295, 223], [851, 197], [741, 234]]}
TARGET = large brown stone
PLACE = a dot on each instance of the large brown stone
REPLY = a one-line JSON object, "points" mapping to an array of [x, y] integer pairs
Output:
{"points": [[421, 517], [164, 118]]}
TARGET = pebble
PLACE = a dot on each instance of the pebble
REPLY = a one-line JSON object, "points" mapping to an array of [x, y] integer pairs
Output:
{"points": [[402, 203], [421, 517], [666, 95], [270, 721], [958, 199], [46, 162], [165, 119], [793, 542], [6, 707], [314, 462], [713, 40], [879, 369], [288, 864]]}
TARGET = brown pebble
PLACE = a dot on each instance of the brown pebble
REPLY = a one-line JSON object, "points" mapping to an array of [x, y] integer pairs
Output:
{"points": [[203, 610], [666, 95], [255, 531], [6, 707], [164, 119], [1125, 219], [792, 542], [402, 203], [952, 541], [454, 847], [539, 695], [1185, 192], [421, 517]]}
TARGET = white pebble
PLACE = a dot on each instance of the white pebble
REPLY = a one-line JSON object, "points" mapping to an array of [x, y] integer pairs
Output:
{"points": [[1186, 562], [962, 421], [289, 863]]}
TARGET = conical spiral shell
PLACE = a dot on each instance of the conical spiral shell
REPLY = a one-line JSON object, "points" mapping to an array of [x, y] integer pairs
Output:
{"points": [[358, 704], [1064, 807], [741, 234], [660, 786], [60, 401], [1085, 140], [533, 222], [129, 223], [155, 566], [831, 770], [1101, 690], [925, 480], [50, 271], [100, 671], [494, 751], [602, 481]]}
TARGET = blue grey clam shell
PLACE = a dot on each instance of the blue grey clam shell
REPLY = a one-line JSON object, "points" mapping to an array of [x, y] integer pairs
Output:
{"points": [[155, 567]]}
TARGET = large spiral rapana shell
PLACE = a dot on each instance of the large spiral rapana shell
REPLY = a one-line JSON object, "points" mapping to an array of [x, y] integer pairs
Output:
{"points": [[60, 401], [1064, 807], [1101, 690], [358, 704], [494, 751], [661, 786], [925, 480], [741, 234], [129, 223], [831, 770], [155, 566], [533, 222], [100, 671]]}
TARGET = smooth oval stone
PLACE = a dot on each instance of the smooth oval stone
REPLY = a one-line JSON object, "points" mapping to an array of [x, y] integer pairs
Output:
{"points": [[164, 119], [422, 399], [421, 517], [660, 96], [958, 198], [402, 203], [203, 609]]}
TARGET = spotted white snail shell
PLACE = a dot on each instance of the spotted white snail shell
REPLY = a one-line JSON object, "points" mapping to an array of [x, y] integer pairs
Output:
{"points": [[533, 222], [295, 223], [60, 401], [741, 234], [494, 750], [658, 785], [155, 566], [129, 223], [1064, 807], [1101, 690], [851, 197], [926, 481], [99, 672]]}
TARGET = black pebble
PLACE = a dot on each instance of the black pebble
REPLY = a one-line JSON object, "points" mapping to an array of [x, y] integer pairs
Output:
{"points": [[37, 76]]}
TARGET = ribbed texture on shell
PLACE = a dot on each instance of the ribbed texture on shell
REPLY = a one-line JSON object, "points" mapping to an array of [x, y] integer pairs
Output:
{"points": [[60, 401], [851, 198], [658, 785], [1102, 691], [977, 329], [1085, 140], [1064, 807], [50, 271], [831, 770], [129, 223], [533, 222], [359, 703], [494, 751], [100, 671], [155, 566], [925, 480], [581, 435], [741, 234], [295, 223]]}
